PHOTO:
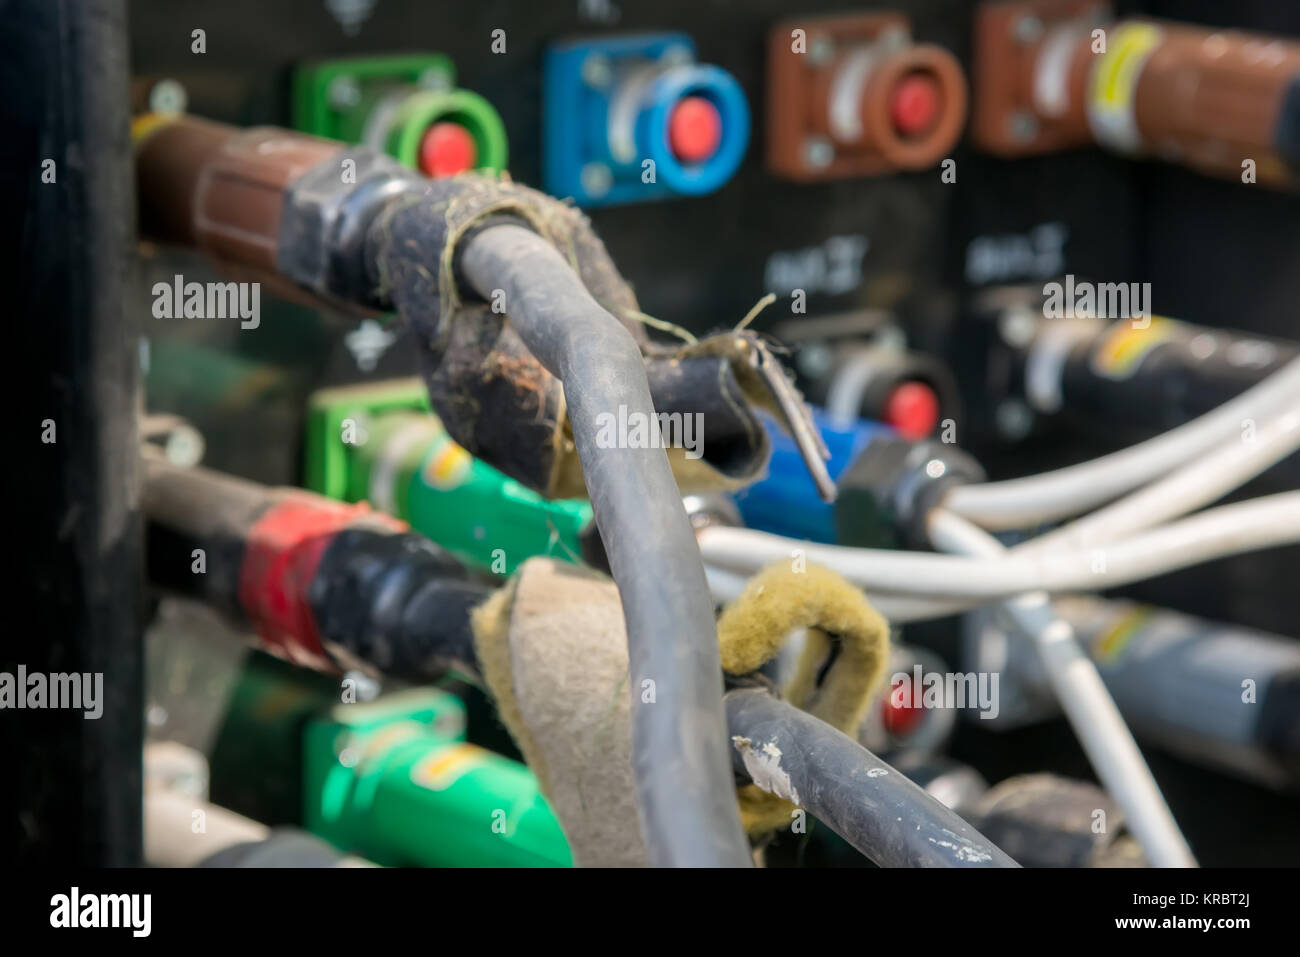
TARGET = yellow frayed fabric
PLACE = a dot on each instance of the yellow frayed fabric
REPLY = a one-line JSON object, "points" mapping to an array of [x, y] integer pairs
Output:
{"points": [[565, 601], [779, 600], [552, 648], [490, 623]]}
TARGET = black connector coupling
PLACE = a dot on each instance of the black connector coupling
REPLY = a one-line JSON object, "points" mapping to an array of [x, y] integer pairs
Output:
{"points": [[887, 492], [394, 601], [327, 215]]}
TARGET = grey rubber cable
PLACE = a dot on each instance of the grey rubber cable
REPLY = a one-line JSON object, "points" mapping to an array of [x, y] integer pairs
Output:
{"points": [[684, 780], [871, 805]]}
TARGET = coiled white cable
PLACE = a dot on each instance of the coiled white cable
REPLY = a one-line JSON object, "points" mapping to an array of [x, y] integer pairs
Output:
{"points": [[1087, 704], [1216, 533], [1193, 486], [1019, 503]]}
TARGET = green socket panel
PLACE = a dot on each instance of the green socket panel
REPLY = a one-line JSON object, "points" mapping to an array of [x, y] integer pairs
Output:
{"points": [[389, 102], [395, 781]]}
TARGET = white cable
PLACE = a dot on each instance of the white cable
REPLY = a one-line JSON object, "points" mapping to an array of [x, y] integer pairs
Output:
{"points": [[1018, 503], [848, 387], [1185, 491], [1195, 485], [726, 586], [900, 609], [1219, 532], [1087, 704]]}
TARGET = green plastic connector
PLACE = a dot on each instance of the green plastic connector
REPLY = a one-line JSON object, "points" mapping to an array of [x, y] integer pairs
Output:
{"points": [[390, 102], [395, 781], [382, 444]]}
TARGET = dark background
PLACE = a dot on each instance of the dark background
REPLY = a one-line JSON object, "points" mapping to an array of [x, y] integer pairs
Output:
{"points": [[1215, 252]]}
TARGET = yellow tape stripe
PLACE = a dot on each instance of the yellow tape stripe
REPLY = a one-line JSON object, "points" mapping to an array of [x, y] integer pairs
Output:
{"points": [[1111, 643], [1125, 346], [1117, 72], [147, 123]]}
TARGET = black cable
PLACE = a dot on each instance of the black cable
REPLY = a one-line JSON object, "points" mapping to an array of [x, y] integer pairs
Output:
{"points": [[861, 798], [397, 602], [379, 240], [196, 508], [68, 245], [684, 782], [377, 596]]}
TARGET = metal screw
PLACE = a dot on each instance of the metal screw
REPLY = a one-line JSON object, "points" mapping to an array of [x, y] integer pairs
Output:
{"points": [[815, 360], [433, 80], [596, 180], [168, 96], [596, 71], [821, 51], [1018, 326], [894, 39], [676, 56], [184, 447], [1028, 29], [1014, 419], [818, 152], [344, 93], [1023, 126], [890, 337]]}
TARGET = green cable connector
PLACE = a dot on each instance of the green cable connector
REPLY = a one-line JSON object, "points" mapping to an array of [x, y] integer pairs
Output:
{"points": [[382, 444], [394, 780], [391, 779], [389, 103]]}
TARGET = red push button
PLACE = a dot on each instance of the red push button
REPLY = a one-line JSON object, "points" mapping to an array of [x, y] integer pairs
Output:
{"points": [[902, 709], [446, 149], [912, 409], [914, 107], [694, 129]]}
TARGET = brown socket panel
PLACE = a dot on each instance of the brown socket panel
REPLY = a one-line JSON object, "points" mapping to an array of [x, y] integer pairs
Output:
{"points": [[798, 94], [1003, 119]]}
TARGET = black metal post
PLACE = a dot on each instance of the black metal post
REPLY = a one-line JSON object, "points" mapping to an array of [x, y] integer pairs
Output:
{"points": [[71, 450]]}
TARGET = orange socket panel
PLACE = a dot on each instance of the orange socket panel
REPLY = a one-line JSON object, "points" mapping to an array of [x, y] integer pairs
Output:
{"points": [[855, 96], [1056, 74], [1009, 38]]}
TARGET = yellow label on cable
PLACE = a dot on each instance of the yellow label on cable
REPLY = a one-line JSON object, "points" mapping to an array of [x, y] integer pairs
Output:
{"points": [[447, 466], [1110, 644], [1112, 85], [145, 123], [1124, 346], [446, 766]]}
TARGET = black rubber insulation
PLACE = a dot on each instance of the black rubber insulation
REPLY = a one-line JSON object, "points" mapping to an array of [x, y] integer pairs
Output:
{"points": [[874, 807], [687, 802]]}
